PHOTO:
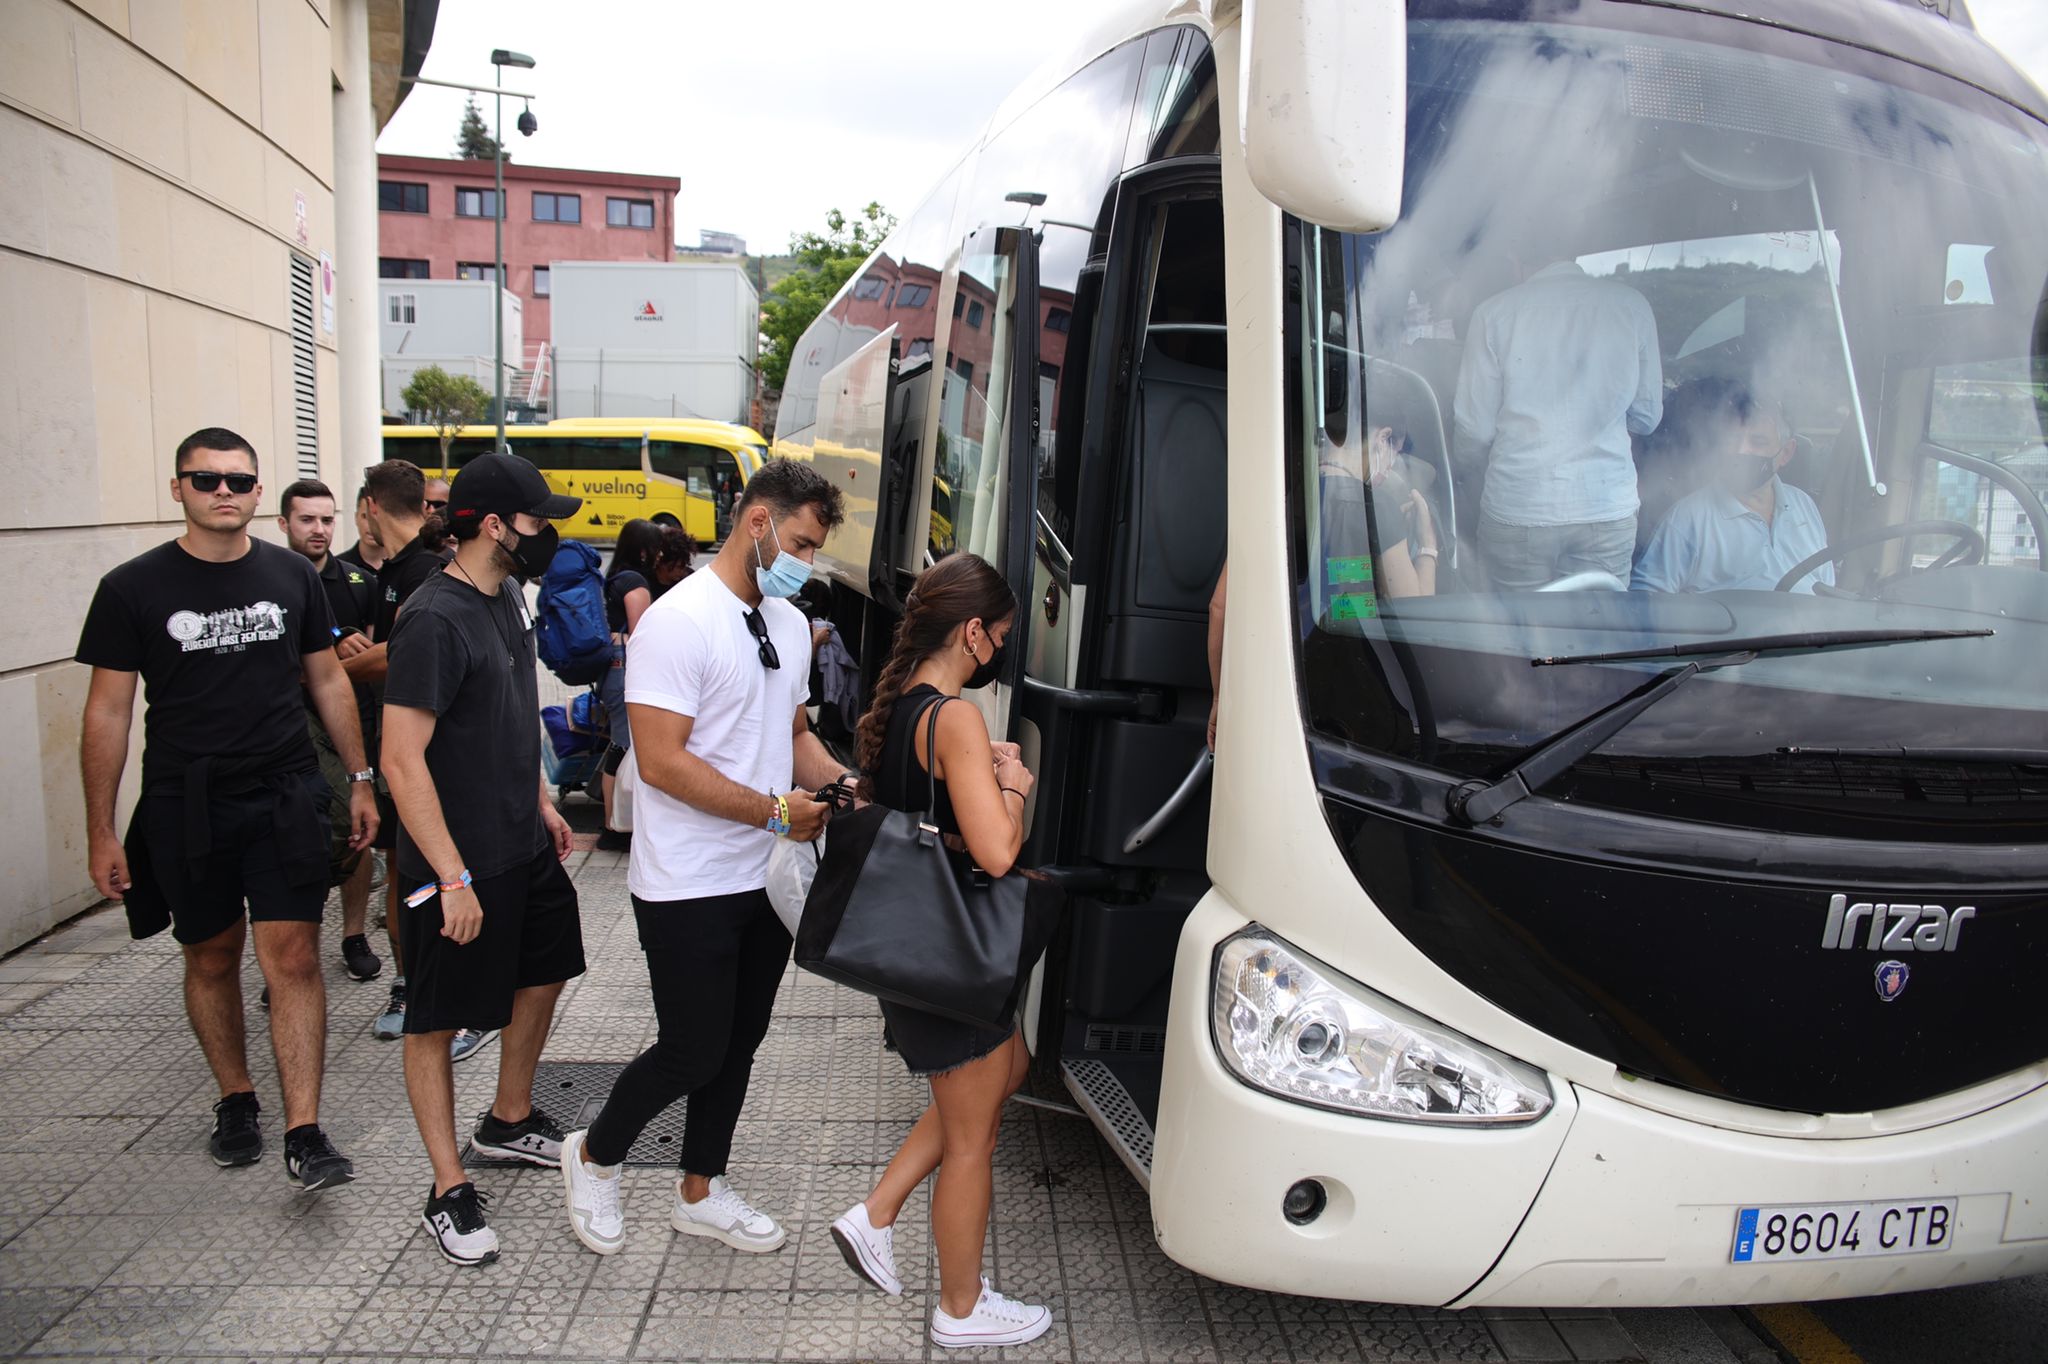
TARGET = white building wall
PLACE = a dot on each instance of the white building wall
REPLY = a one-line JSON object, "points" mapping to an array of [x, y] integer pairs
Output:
{"points": [[650, 340], [161, 164]]}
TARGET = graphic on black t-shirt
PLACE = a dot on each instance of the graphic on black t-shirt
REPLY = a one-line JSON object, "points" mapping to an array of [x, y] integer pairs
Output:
{"points": [[237, 627]]}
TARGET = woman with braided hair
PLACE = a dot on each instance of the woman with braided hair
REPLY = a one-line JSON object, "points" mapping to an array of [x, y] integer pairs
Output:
{"points": [[954, 627]]}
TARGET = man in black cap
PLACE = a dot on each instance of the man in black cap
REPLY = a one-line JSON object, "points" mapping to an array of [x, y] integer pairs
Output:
{"points": [[490, 928]]}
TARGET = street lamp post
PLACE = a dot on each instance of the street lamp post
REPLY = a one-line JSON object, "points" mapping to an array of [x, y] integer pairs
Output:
{"points": [[500, 59], [528, 126]]}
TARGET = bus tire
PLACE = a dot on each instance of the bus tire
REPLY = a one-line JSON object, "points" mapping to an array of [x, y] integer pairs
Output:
{"points": [[665, 521]]}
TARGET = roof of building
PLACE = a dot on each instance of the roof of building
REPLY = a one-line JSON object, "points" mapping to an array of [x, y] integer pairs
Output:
{"points": [[519, 170]]}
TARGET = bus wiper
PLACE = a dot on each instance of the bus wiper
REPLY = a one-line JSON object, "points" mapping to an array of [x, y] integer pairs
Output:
{"points": [[1476, 802]]}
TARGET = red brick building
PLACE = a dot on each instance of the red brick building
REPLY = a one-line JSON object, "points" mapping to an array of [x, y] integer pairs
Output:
{"points": [[434, 222]]}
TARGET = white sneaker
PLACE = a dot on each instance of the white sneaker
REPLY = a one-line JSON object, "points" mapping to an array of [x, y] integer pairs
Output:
{"points": [[996, 1320], [870, 1250], [725, 1216], [593, 1198]]}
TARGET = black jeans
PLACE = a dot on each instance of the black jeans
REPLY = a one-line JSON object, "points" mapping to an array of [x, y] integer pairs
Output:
{"points": [[714, 964]]}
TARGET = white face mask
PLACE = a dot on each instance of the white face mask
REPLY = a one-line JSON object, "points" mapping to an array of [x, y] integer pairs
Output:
{"points": [[783, 578]]}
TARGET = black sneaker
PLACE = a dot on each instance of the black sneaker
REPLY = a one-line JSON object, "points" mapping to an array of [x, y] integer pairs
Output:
{"points": [[237, 1135], [356, 955], [612, 840], [536, 1139], [456, 1219], [312, 1163]]}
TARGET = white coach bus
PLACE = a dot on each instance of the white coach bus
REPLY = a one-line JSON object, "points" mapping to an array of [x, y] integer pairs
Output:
{"points": [[1671, 927]]}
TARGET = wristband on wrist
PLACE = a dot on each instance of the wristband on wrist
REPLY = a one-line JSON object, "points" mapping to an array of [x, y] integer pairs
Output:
{"points": [[1015, 792], [432, 888], [778, 819]]}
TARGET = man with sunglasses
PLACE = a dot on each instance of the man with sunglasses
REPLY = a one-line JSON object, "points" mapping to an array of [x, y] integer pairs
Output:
{"points": [[437, 497], [222, 628], [716, 683]]}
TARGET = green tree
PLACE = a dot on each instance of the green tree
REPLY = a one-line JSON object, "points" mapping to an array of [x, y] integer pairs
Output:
{"points": [[824, 261], [445, 402], [473, 141]]}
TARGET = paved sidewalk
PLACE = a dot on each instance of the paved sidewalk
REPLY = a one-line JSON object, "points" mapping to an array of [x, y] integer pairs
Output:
{"points": [[119, 1238]]}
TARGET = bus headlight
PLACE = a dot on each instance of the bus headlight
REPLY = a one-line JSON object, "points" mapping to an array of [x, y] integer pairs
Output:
{"points": [[1289, 1025]]}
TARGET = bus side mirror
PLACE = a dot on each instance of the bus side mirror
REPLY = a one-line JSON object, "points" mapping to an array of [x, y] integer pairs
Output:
{"points": [[1325, 102]]}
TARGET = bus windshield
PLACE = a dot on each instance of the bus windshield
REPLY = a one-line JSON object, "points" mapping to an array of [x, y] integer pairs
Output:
{"points": [[1671, 343]]}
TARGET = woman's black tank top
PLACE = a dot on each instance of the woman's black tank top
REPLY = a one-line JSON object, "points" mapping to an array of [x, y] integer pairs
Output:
{"points": [[900, 779]]}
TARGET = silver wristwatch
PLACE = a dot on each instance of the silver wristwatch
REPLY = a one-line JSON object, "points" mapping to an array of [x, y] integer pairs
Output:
{"points": [[367, 774]]}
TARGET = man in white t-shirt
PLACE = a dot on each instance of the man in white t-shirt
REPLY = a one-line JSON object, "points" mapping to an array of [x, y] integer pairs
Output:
{"points": [[717, 676]]}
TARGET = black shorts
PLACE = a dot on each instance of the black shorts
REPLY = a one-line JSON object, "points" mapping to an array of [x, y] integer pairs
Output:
{"points": [[532, 935], [243, 870], [387, 818]]}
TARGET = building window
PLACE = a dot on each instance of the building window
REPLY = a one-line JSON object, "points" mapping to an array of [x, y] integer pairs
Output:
{"points": [[1058, 320], [870, 288], [557, 208], [965, 369], [629, 213], [913, 295], [397, 267], [542, 286], [475, 203], [974, 314], [920, 349], [401, 196], [959, 302], [402, 308], [475, 269]]}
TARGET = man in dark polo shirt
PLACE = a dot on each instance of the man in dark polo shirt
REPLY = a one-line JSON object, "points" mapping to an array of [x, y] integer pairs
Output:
{"points": [[306, 514], [365, 552], [491, 927], [228, 840]]}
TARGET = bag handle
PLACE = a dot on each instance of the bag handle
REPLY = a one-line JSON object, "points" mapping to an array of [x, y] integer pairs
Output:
{"points": [[930, 706], [931, 754]]}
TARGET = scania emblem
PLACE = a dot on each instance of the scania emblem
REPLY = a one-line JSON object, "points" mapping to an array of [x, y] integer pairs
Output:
{"points": [[1893, 928], [1891, 979]]}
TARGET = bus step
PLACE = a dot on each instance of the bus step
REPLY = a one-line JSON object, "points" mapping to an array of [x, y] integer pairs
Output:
{"points": [[1114, 1112]]}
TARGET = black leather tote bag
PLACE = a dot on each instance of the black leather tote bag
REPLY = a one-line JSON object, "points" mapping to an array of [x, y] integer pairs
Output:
{"points": [[895, 914]]}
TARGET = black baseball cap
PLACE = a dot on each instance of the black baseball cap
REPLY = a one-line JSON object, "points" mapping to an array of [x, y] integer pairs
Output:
{"points": [[504, 485]]}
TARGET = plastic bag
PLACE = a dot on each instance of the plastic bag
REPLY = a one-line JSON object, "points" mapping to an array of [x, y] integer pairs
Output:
{"points": [[625, 782], [791, 868]]}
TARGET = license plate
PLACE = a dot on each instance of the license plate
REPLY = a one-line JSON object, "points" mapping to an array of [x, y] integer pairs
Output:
{"points": [[1838, 1231]]}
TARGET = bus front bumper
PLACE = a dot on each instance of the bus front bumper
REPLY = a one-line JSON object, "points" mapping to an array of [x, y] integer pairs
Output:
{"points": [[1598, 1203]]}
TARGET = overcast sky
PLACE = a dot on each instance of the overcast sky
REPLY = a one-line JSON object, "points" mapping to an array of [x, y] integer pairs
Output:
{"points": [[773, 111]]}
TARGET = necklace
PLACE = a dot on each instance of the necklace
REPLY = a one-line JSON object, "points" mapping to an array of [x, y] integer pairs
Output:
{"points": [[497, 621]]}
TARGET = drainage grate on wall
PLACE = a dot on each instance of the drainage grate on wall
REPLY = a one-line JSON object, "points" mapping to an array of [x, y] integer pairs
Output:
{"points": [[1106, 1100], [572, 1092]]}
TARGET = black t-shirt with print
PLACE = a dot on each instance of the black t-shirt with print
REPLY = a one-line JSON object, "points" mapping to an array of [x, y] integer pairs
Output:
{"points": [[469, 659], [400, 577], [218, 646]]}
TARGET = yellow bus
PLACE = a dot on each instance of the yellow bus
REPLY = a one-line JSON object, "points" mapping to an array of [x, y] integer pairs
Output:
{"points": [[750, 445], [684, 473]]}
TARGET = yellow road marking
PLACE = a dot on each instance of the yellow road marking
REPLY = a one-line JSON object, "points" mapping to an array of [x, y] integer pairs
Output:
{"points": [[1798, 1330]]}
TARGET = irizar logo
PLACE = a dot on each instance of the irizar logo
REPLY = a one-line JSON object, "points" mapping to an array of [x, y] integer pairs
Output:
{"points": [[1893, 928]]}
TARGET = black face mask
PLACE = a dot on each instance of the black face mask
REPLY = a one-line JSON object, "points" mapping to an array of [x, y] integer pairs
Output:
{"points": [[985, 673], [531, 554], [1750, 472]]}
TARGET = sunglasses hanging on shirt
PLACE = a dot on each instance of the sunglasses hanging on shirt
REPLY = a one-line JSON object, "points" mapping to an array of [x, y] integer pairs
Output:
{"points": [[758, 628]]}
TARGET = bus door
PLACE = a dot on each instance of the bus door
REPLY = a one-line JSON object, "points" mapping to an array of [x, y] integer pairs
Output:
{"points": [[1125, 533]]}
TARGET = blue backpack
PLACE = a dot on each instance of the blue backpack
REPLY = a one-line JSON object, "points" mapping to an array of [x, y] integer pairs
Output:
{"points": [[574, 639]]}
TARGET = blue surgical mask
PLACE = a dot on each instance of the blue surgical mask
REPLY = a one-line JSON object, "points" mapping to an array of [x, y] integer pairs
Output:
{"points": [[783, 578]]}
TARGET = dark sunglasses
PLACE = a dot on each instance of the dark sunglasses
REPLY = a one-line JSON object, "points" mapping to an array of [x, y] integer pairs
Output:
{"points": [[437, 507], [206, 480], [758, 628]]}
